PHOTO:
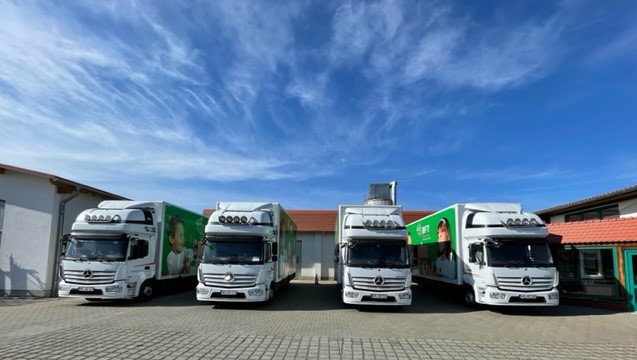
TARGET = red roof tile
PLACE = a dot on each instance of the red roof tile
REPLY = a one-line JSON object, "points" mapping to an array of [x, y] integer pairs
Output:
{"points": [[412, 215], [325, 220], [622, 230], [314, 220]]}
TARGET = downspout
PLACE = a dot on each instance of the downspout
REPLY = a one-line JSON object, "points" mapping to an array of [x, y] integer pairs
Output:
{"points": [[60, 230]]}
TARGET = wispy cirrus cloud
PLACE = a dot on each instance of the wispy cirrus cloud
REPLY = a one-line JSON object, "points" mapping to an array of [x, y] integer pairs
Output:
{"points": [[234, 91]]}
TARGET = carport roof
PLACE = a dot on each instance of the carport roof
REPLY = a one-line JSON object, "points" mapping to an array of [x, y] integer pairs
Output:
{"points": [[62, 185], [610, 231]]}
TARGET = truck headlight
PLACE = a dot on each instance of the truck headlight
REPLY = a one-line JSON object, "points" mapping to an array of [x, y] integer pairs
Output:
{"points": [[352, 294], [62, 272], [404, 296], [554, 295], [114, 288], [203, 291], [199, 274], [255, 292]]}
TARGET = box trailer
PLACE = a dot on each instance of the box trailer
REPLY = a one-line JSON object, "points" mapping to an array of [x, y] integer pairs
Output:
{"points": [[249, 252], [371, 255], [497, 253], [130, 249]]}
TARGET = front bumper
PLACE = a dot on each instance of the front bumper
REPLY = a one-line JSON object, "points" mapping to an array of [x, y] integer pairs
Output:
{"points": [[112, 291], [257, 293], [362, 297], [494, 296]]}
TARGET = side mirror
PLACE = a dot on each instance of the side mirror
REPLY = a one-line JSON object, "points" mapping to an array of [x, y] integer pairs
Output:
{"points": [[414, 262], [64, 240], [274, 258], [335, 259]]}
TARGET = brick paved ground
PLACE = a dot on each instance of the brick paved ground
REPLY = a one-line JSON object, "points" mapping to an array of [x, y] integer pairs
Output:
{"points": [[307, 321]]}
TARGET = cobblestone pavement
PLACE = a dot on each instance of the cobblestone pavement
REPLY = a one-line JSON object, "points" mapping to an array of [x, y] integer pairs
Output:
{"points": [[307, 321]]}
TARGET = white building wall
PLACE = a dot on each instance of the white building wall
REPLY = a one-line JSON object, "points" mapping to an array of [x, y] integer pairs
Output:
{"points": [[627, 208], [26, 235], [317, 255], [29, 243]]}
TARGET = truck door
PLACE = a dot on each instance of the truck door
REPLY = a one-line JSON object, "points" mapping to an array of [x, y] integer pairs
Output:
{"points": [[269, 263], [474, 262], [140, 260]]}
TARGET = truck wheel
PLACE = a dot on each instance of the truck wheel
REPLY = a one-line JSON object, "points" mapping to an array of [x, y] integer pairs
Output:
{"points": [[470, 297], [147, 291]]}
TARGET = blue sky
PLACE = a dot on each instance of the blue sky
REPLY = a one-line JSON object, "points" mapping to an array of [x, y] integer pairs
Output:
{"points": [[308, 102]]}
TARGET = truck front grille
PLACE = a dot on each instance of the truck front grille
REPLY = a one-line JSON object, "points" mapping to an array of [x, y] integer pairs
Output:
{"points": [[525, 283], [238, 280], [89, 277], [378, 283]]}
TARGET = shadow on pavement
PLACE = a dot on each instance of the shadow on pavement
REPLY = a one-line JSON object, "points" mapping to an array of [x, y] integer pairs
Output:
{"points": [[444, 298], [306, 296]]}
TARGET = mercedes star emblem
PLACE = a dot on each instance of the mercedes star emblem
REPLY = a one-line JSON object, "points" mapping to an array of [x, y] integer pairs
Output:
{"points": [[228, 277], [527, 281], [87, 274], [378, 280]]}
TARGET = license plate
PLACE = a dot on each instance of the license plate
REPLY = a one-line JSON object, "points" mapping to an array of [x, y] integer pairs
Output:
{"points": [[228, 292], [379, 296], [86, 289], [527, 296]]}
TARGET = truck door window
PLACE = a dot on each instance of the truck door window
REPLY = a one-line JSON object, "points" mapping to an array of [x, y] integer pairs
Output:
{"points": [[268, 252], [138, 249], [476, 253]]}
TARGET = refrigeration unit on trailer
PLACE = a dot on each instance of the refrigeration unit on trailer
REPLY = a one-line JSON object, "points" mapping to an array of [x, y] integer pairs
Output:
{"points": [[371, 255], [496, 252], [249, 252], [130, 249]]}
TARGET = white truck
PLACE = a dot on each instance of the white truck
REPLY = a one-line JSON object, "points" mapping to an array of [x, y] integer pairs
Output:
{"points": [[371, 255], [495, 253], [249, 252], [129, 250]]}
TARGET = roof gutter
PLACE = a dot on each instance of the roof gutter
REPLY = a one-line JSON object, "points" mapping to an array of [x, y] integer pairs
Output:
{"points": [[60, 230]]}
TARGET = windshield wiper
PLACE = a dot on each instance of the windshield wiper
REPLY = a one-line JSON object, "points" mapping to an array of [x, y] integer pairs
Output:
{"points": [[396, 263], [85, 258]]}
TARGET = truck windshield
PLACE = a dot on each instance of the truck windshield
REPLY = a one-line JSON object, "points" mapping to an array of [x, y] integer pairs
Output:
{"points": [[519, 253], [374, 254], [233, 250], [102, 249]]}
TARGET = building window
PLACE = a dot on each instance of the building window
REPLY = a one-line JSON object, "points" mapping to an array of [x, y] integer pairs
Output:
{"points": [[588, 272], [590, 264], [607, 212], [1, 217]]}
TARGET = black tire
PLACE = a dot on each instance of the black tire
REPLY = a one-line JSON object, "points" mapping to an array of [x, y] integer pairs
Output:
{"points": [[470, 298], [146, 291]]}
